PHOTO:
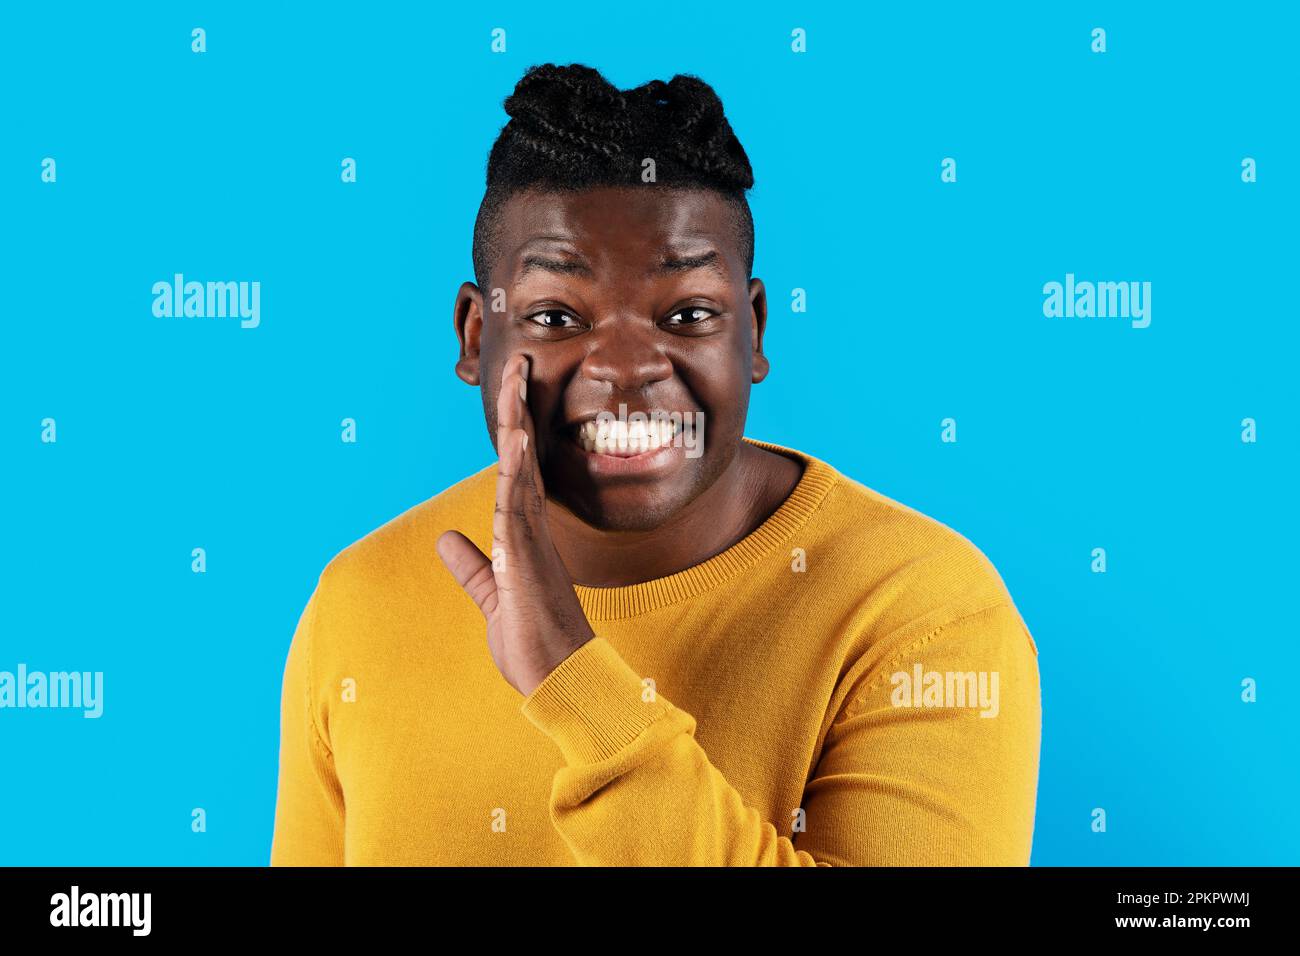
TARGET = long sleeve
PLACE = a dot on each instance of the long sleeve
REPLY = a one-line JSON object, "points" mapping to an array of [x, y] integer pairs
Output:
{"points": [[309, 802], [895, 784]]}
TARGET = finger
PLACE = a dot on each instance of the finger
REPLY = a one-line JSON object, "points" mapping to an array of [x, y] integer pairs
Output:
{"points": [[513, 412], [512, 399], [516, 518], [471, 569]]}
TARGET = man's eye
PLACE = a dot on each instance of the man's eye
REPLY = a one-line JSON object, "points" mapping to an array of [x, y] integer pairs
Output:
{"points": [[692, 314], [554, 319]]}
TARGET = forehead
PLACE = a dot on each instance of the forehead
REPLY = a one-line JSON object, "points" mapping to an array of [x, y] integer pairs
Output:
{"points": [[619, 225]]}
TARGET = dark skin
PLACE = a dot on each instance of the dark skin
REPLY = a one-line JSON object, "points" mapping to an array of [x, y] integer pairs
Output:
{"points": [[609, 295]]}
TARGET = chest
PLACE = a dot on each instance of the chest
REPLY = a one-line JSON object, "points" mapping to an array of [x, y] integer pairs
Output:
{"points": [[439, 766]]}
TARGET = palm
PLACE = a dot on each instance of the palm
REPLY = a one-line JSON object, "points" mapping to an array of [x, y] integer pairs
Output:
{"points": [[533, 617]]}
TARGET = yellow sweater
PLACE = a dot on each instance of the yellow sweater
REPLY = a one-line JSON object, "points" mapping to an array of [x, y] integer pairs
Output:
{"points": [[850, 684]]}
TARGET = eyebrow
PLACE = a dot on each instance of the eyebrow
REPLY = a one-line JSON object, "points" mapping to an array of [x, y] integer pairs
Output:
{"points": [[710, 260], [536, 263], [668, 265]]}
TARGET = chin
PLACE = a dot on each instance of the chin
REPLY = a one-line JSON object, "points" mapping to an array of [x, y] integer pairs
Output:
{"points": [[634, 484], [623, 513]]}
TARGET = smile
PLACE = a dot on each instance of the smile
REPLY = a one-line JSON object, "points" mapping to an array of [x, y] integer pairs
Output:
{"points": [[649, 446], [622, 439]]}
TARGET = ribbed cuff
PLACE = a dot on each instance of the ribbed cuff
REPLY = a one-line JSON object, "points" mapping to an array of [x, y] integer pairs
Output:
{"points": [[591, 704]]}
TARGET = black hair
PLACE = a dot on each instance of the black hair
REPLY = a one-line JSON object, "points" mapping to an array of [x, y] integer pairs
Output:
{"points": [[571, 129]]}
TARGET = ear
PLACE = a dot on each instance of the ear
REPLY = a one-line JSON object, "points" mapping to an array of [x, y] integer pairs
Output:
{"points": [[758, 325], [468, 318]]}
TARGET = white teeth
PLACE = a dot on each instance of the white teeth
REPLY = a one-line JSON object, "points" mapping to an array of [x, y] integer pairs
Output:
{"points": [[613, 435]]}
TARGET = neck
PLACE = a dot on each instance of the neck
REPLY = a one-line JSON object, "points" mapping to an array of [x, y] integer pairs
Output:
{"points": [[745, 495]]}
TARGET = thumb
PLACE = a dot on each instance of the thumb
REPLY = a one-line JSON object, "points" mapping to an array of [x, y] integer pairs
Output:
{"points": [[471, 569]]}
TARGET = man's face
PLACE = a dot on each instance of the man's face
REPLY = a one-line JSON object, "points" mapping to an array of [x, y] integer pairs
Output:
{"points": [[630, 304]]}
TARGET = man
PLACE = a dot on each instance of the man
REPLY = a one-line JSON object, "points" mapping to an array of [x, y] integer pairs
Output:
{"points": [[701, 648]]}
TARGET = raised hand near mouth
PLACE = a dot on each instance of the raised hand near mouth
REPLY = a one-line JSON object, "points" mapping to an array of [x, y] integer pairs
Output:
{"points": [[534, 620]]}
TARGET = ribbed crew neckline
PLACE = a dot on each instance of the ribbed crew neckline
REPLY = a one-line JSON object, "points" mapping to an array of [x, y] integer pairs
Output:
{"points": [[608, 604]]}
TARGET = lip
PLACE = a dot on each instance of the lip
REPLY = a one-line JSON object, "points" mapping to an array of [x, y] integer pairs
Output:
{"points": [[595, 414], [653, 463]]}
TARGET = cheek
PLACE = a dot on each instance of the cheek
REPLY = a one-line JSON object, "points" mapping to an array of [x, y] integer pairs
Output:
{"points": [[720, 382], [548, 372], [490, 408]]}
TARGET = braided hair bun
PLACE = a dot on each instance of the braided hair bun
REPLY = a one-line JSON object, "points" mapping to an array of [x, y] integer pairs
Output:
{"points": [[569, 122], [570, 128]]}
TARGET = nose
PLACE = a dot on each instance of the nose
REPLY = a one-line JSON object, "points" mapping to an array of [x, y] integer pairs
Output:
{"points": [[627, 355]]}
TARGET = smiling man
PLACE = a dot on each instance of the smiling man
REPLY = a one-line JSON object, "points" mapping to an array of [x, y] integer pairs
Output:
{"points": [[646, 638]]}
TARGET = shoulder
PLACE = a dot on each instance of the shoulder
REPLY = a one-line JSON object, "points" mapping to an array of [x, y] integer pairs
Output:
{"points": [[900, 566], [400, 553], [934, 560]]}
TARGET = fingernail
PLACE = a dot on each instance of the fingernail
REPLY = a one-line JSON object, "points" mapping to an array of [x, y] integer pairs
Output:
{"points": [[523, 390], [524, 447]]}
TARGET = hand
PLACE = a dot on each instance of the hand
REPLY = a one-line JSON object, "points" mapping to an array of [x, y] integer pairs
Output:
{"points": [[534, 620]]}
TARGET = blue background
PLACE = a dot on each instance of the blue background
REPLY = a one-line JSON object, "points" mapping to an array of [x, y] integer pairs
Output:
{"points": [[925, 301]]}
